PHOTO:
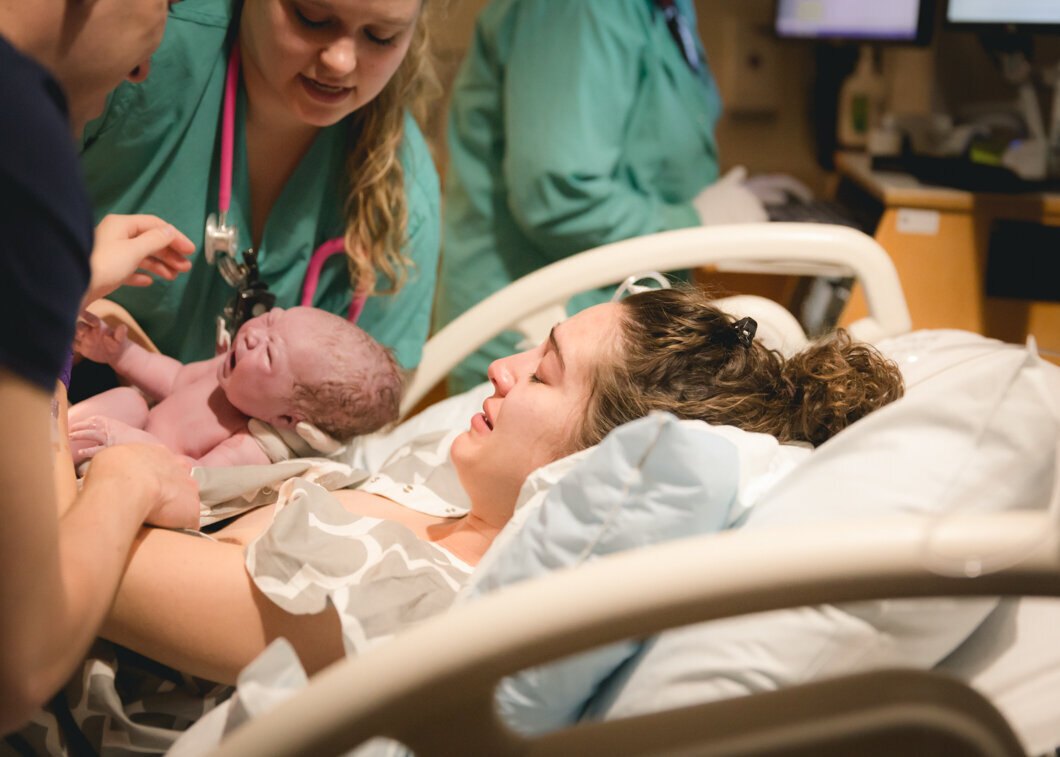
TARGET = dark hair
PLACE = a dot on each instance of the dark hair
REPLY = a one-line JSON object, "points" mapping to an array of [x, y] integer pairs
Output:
{"points": [[361, 392], [680, 353]]}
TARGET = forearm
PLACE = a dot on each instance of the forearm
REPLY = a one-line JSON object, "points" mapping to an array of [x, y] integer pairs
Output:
{"points": [[55, 581], [189, 603], [565, 214], [65, 477], [152, 373]]}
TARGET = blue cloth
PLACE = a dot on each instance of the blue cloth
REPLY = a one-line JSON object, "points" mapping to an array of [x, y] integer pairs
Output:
{"points": [[649, 481], [573, 123], [45, 222], [156, 149]]}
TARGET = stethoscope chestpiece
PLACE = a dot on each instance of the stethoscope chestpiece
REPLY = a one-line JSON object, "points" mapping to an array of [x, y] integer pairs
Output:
{"points": [[220, 238], [220, 246]]}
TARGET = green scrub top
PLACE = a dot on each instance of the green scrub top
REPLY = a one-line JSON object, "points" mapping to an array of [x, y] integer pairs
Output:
{"points": [[156, 149], [573, 123]]}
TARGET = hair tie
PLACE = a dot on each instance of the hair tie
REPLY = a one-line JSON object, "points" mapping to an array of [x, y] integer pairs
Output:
{"points": [[745, 330]]}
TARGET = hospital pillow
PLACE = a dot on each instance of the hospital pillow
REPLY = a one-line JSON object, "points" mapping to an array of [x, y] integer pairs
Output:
{"points": [[649, 481], [976, 431]]}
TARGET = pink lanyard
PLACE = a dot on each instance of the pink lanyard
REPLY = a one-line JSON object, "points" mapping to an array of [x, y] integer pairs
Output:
{"points": [[224, 195]]}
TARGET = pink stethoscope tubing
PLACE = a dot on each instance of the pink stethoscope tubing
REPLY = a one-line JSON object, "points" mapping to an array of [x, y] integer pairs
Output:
{"points": [[224, 194]]}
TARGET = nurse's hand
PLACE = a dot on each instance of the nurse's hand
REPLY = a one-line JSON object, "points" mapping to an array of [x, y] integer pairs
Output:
{"points": [[130, 248]]}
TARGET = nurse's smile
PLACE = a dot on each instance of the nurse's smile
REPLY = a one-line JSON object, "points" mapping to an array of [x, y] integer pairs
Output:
{"points": [[325, 93]]}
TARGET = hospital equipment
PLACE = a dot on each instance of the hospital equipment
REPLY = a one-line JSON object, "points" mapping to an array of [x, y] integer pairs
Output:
{"points": [[221, 241], [433, 687], [907, 21]]}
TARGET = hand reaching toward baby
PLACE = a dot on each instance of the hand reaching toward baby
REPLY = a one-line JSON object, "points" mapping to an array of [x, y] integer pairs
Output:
{"points": [[97, 341], [131, 249]]}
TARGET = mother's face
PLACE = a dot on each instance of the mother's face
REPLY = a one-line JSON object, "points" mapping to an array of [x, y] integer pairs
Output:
{"points": [[539, 400], [320, 60]]}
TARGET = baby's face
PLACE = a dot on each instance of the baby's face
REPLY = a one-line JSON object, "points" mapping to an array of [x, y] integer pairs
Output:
{"points": [[267, 356]]}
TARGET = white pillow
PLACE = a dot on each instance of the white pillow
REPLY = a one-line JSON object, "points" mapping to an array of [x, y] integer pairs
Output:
{"points": [[649, 481], [370, 451], [976, 431]]}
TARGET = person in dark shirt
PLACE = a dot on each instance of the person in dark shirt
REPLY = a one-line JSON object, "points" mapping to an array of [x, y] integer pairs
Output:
{"points": [[62, 554]]}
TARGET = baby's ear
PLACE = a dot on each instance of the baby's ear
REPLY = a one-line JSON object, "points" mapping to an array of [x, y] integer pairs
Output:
{"points": [[286, 421]]}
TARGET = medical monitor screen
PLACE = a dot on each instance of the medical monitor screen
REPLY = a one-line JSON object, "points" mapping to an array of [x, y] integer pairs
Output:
{"points": [[855, 20], [1004, 12]]}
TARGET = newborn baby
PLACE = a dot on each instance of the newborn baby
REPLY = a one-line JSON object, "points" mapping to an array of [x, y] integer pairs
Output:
{"points": [[284, 367]]}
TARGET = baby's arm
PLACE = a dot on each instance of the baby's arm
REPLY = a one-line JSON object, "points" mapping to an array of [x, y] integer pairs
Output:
{"points": [[150, 372], [239, 449]]}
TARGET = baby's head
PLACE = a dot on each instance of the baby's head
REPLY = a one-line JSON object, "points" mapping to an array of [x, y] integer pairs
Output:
{"points": [[305, 364]]}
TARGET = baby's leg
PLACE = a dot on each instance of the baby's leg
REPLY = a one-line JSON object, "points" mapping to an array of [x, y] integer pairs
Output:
{"points": [[124, 404]]}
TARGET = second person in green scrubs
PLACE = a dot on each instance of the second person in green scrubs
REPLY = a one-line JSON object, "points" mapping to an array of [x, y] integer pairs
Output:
{"points": [[573, 123], [324, 147]]}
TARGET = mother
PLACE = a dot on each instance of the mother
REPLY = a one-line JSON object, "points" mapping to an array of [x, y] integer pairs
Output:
{"points": [[322, 148], [191, 603]]}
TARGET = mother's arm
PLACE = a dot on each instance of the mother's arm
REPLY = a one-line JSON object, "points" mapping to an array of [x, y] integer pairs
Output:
{"points": [[189, 603]]}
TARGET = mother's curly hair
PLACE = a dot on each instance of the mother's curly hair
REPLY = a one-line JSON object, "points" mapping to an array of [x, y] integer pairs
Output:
{"points": [[680, 353]]}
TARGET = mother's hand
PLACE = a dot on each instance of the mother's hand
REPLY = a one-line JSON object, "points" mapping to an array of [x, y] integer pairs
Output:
{"points": [[129, 248]]}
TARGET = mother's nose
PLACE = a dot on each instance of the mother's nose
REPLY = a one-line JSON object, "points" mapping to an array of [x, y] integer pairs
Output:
{"points": [[501, 376]]}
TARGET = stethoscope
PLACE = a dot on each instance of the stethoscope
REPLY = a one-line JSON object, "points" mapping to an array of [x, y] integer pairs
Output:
{"points": [[221, 243]]}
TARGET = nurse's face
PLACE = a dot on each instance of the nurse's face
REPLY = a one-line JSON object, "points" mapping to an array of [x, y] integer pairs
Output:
{"points": [[102, 42], [317, 61], [539, 400]]}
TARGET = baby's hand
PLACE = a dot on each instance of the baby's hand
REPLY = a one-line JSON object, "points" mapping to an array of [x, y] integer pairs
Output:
{"points": [[93, 435], [97, 341]]}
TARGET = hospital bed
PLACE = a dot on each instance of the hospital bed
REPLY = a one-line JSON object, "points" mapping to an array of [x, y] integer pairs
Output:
{"points": [[995, 689]]}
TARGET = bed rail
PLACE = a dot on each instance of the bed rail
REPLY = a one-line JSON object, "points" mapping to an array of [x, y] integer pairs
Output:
{"points": [[535, 303], [431, 687]]}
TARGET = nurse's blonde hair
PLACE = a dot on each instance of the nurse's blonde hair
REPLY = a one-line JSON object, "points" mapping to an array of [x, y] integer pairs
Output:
{"points": [[376, 207]]}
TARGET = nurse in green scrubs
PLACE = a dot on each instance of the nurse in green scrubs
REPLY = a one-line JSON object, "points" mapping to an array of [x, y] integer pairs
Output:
{"points": [[572, 124], [324, 147]]}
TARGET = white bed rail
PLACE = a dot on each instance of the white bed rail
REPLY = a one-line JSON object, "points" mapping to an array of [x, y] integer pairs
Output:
{"points": [[535, 303], [431, 687]]}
